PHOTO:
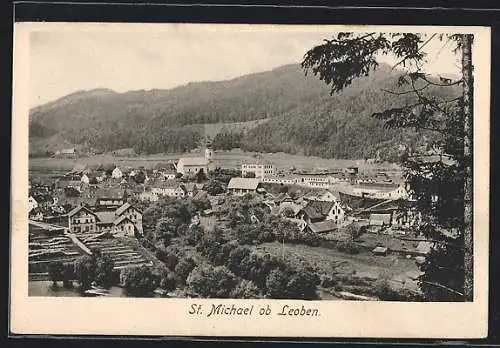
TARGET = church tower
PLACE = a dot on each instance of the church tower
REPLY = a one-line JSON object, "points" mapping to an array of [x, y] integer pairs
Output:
{"points": [[209, 153]]}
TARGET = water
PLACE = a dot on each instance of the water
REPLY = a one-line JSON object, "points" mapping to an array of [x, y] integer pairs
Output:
{"points": [[43, 288]]}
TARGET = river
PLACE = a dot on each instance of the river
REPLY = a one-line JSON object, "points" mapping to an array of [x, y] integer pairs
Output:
{"points": [[43, 288]]}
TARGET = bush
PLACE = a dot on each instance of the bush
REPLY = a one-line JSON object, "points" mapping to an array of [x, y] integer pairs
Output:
{"points": [[183, 268], [138, 281], [245, 289], [276, 282], [211, 282]]}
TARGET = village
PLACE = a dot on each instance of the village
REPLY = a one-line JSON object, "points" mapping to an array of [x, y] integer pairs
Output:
{"points": [[102, 207]]}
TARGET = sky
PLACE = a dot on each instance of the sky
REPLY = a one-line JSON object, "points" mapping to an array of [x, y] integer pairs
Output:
{"points": [[79, 57]]}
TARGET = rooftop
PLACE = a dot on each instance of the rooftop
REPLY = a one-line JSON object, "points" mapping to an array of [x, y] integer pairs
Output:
{"points": [[243, 183], [323, 226], [193, 161]]}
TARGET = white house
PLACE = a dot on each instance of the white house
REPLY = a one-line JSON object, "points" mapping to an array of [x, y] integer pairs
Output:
{"points": [[188, 165], [276, 179], [32, 203], [261, 170], [317, 211], [148, 196], [320, 181], [117, 173], [169, 189], [381, 191], [327, 196], [242, 186], [85, 179]]}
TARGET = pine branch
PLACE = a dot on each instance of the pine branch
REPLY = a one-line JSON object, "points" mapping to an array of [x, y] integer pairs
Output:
{"points": [[418, 50]]}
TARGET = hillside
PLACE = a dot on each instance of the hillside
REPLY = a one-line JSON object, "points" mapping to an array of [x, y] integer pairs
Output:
{"points": [[277, 110]]}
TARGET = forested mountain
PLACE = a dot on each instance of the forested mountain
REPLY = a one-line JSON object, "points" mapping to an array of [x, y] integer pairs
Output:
{"points": [[301, 116]]}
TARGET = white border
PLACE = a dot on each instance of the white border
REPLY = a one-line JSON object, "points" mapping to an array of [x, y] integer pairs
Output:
{"points": [[131, 316]]}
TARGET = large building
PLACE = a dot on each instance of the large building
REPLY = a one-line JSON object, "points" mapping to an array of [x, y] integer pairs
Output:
{"points": [[192, 165], [260, 170], [380, 190]]}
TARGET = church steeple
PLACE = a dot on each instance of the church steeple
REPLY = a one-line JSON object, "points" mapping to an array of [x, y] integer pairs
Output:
{"points": [[207, 147]]}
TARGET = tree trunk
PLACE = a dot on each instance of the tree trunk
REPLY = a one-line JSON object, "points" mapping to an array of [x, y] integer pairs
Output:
{"points": [[468, 96]]}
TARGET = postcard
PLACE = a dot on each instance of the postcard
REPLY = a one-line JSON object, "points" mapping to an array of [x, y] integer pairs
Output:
{"points": [[250, 180]]}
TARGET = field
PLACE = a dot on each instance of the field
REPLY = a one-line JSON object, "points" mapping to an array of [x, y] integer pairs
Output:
{"points": [[228, 159], [363, 266]]}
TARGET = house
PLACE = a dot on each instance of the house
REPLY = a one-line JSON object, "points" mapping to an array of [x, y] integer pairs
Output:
{"points": [[191, 189], [327, 196], [124, 227], [259, 170], [116, 173], [132, 213], [111, 197], [82, 219], [380, 219], [380, 190], [148, 196], [313, 180], [242, 186], [69, 152], [168, 175], [125, 221], [169, 189], [280, 179], [325, 226], [32, 203], [69, 184], [85, 179], [317, 211], [192, 165], [36, 214]]}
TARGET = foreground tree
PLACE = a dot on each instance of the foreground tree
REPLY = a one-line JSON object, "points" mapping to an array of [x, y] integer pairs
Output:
{"points": [[439, 175]]}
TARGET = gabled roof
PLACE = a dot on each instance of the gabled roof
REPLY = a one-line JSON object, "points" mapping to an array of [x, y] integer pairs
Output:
{"points": [[110, 193], [323, 226], [192, 161], [121, 209], [124, 207], [359, 203], [166, 184], [190, 186], [105, 217], [121, 219], [166, 166], [243, 183], [318, 209], [78, 208]]}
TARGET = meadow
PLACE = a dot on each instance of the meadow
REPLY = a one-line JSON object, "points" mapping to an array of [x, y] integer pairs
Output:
{"points": [[226, 159]]}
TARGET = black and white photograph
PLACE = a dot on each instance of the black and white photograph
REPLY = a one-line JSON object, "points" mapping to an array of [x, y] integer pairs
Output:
{"points": [[321, 164]]}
